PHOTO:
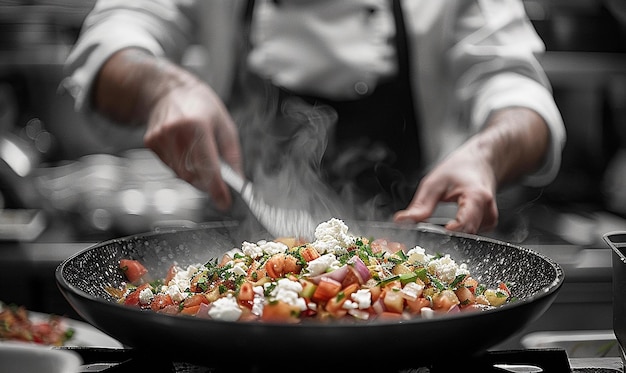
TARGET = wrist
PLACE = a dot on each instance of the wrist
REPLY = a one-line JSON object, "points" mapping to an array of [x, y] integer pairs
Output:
{"points": [[514, 142], [131, 83]]}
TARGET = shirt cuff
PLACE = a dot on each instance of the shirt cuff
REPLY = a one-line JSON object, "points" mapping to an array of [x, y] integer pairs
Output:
{"points": [[97, 46]]}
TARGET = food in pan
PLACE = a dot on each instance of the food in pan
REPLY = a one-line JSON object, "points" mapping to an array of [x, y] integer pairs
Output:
{"points": [[16, 325], [337, 276]]}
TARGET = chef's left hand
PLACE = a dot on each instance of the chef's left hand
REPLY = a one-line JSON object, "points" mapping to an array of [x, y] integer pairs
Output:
{"points": [[513, 143], [465, 178]]}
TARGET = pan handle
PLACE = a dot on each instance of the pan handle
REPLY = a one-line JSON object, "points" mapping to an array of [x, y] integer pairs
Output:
{"points": [[617, 242]]}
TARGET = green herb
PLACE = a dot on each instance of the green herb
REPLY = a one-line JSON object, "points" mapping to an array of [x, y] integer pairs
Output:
{"points": [[340, 296], [388, 280], [203, 283], [457, 280], [438, 284], [69, 333], [422, 273], [156, 284], [405, 278]]}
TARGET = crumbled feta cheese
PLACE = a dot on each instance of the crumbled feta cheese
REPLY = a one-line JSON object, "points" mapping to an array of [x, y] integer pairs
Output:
{"points": [[174, 292], [145, 296], [251, 249], [258, 301], [322, 264], [412, 290], [239, 268], [332, 236], [427, 312], [271, 247], [362, 297], [256, 250], [183, 277], [225, 308], [417, 255], [446, 269], [288, 291]]}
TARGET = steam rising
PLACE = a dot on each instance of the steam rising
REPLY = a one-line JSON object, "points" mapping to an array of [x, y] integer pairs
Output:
{"points": [[284, 139]]}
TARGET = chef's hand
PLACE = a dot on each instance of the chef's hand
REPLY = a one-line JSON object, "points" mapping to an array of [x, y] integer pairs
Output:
{"points": [[190, 130], [514, 142], [188, 126]]}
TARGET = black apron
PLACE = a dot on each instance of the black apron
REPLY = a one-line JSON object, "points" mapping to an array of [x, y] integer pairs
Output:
{"points": [[370, 151]]}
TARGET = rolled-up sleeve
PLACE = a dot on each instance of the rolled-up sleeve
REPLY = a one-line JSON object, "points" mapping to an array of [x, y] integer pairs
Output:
{"points": [[496, 94], [497, 67], [162, 28]]}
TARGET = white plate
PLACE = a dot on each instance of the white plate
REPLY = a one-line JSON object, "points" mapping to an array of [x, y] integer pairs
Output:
{"points": [[19, 357], [85, 335]]}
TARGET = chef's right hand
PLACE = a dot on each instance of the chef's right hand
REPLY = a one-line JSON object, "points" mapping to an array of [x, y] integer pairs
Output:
{"points": [[190, 129], [188, 125]]}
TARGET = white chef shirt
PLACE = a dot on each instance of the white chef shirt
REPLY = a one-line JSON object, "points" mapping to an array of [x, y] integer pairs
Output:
{"points": [[469, 58]]}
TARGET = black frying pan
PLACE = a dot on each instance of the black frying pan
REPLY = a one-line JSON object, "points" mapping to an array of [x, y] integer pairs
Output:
{"points": [[533, 278]]}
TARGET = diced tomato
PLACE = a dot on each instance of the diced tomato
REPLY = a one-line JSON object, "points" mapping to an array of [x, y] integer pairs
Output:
{"points": [[280, 311], [195, 300], [393, 300], [326, 289], [191, 310], [502, 286], [389, 316], [133, 270], [275, 265], [382, 245], [444, 300], [335, 304], [246, 292], [415, 306], [171, 309], [132, 299], [198, 283], [470, 283], [160, 301], [375, 291], [170, 274], [465, 295], [378, 245], [309, 253], [394, 247]]}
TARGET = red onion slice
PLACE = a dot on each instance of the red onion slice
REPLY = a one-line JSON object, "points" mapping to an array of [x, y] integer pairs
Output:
{"points": [[360, 268], [337, 274]]}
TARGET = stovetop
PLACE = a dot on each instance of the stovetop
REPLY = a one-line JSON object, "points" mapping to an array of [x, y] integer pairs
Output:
{"points": [[527, 360]]}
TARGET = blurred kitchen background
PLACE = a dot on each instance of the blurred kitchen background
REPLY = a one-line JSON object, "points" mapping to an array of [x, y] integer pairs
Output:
{"points": [[67, 181]]}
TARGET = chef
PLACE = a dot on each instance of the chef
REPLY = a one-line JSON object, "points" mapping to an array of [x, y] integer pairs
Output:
{"points": [[407, 103]]}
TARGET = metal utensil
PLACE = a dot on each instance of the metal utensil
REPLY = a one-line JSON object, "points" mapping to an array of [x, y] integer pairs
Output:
{"points": [[279, 222]]}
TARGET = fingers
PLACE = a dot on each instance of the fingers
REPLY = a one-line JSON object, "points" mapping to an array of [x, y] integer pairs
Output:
{"points": [[474, 215], [423, 204], [476, 212], [202, 159], [193, 156]]}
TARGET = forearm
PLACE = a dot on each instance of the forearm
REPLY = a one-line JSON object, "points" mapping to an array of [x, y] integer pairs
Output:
{"points": [[132, 81], [514, 142]]}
